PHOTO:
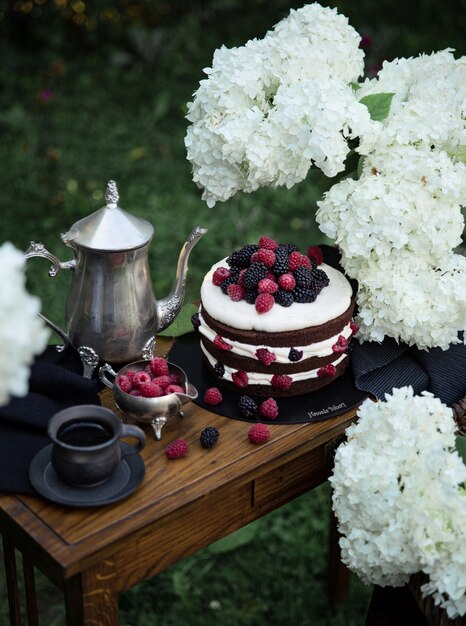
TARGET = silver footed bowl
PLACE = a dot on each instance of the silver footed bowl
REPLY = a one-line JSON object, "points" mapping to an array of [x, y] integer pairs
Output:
{"points": [[153, 411]]}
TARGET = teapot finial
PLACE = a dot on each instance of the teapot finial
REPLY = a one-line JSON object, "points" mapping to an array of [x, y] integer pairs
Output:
{"points": [[111, 195]]}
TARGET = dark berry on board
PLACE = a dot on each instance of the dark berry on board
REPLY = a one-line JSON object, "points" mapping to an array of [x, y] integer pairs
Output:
{"points": [[209, 437], [247, 407]]}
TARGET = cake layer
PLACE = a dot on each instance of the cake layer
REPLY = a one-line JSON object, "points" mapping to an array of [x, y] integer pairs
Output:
{"points": [[260, 384], [307, 334], [333, 302]]}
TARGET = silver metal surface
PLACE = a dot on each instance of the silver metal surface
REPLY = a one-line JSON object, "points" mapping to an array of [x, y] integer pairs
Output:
{"points": [[89, 359], [153, 411], [111, 306]]}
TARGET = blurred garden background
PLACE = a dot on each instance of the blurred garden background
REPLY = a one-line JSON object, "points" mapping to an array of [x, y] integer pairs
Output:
{"points": [[97, 90]]}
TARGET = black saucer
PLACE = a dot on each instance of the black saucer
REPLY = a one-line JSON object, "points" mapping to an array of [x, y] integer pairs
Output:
{"points": [[124, 480], [338, 397]]}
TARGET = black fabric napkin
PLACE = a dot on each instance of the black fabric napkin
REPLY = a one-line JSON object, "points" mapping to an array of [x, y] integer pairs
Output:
{"points": [[55, 383]]}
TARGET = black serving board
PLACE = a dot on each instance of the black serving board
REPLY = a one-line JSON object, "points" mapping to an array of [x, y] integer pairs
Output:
{"points": [[338, 397]]}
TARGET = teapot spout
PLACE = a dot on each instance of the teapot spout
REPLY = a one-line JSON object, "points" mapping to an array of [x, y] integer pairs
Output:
{"points": [[169, 307]]}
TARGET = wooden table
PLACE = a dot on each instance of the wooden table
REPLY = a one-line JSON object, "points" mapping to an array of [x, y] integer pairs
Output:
{"points": [[182, 505]]}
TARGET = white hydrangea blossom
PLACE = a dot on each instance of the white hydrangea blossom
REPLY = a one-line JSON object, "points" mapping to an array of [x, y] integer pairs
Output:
{"points": [[397, 225], [22, 334], [271, 109], [398, 496]]}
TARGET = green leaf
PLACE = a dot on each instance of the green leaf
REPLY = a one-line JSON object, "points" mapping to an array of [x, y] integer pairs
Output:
{"points": [[182, 323], [378, 105], [461, 447], [360, 166], [458, 153], [236, 540], [355, 86]]}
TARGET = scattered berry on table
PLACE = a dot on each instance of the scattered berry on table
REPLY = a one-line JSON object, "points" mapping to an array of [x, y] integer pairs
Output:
{"points": [[176, 449], [281, 381], [240, 378], [213, 396], [258, 433], [265, 356], [247, 407], [264, 302], [269, 408], [315, 253], [209, 436], [159, 366], [295, 355]]}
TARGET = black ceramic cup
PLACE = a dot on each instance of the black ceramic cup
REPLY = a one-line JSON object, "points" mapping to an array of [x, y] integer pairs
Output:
{"points": [[86, 447]]}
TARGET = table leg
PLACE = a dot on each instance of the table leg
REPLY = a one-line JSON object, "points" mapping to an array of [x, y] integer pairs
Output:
{"points": [[90, 597], [31, 596], [338, 573], [11, 575]]}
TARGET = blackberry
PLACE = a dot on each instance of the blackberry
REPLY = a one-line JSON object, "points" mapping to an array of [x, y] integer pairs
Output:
{"points": [[295, 355], [289, 247], [219, 369], [303, 277], [321, 277], [283, 298], [281, 265], [242, 258], [195, 321], [209, 437], [304, 295], [250, 295], [254, 273], [247, 406], [231, 280]]}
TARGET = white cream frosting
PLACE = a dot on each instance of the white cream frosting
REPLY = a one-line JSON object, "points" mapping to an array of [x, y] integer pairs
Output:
{"points": [[256, 378], [319, 349], [332, 301]]}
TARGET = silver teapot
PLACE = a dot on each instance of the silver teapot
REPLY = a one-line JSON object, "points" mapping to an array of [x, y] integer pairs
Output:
{"points": [[111, 312]]}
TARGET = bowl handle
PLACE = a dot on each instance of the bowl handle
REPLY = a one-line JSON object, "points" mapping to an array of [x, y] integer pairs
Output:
{"points": [[103, 370]]}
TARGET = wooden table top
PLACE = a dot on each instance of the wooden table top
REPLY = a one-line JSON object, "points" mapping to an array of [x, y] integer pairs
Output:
{"points": [[69, 537]]}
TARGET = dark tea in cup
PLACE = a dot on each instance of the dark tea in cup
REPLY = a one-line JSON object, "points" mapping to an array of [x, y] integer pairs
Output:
{"points": [[86, 447]]}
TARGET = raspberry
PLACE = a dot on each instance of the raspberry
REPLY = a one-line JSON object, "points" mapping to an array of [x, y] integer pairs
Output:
{"points": [[162, 381], [284, 298], [151, 390], [135, 392], [177, 449], [175, 378], [195, 321], [267, 243], [295, 355], [236, 292], [264, 302], [209, 436], [269, 408], [240, 378], [255, 273], [241, 276], [327, 370], [341, 345], [219, 369], [267, 286], [124, 383], [315, 253], [220, 274], [281, 381], [354, 329], [174, 389], [231, 280], [287, 282], [141, 378], [130, 374], [221, 344], [267, 257], [247, 407], [296, 259], [213, 396], [265, 356], [159, 366], [258, 433]]}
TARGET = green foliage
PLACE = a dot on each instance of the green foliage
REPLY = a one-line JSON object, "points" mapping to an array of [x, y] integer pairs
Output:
{"points": [[461, 447], [182, 323], [378, 105]]}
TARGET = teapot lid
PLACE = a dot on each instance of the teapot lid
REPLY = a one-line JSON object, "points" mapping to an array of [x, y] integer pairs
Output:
{"points": [[110, 228]]}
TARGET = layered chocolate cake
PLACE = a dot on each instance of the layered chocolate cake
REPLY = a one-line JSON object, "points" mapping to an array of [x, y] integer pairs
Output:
{"points": [[275, 322]]}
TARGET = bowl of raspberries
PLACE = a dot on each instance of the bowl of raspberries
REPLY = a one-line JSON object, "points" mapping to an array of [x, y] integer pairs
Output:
{"points": [[149, 392]]}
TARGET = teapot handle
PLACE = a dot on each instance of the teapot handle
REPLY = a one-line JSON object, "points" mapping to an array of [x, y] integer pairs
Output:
{"points": [[103, 370], [38, 249]]}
